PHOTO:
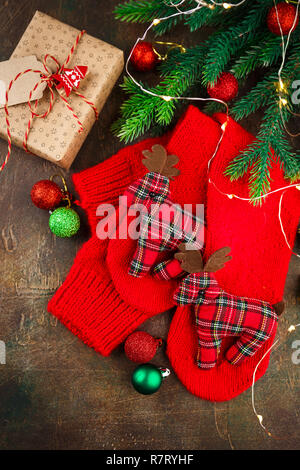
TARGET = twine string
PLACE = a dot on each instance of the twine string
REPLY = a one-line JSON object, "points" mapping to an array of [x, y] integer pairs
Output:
{"points": [[45, 77]]}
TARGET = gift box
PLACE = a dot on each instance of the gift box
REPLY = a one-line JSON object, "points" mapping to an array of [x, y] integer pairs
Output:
{"points": [[56, 137]]}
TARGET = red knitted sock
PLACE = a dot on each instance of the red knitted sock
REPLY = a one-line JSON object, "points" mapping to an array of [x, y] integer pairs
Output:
{"points": [[258, 268], [87, 303], [103, 306]]}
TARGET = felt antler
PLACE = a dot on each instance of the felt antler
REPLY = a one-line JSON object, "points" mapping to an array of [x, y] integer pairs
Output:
{"points": [[159, 161], [217, 260], [191, 260]]}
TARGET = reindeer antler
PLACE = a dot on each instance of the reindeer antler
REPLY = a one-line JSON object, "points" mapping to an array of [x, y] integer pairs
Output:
{"points": [[217, 260], [159, 161], [191, 260]]}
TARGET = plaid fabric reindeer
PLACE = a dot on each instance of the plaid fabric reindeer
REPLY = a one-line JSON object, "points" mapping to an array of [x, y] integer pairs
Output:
{"points": [[219, 314], [163, 224]]}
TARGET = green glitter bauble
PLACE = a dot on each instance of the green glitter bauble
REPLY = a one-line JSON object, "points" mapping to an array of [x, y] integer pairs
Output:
{"points": [[146, 379], [64, 222]]}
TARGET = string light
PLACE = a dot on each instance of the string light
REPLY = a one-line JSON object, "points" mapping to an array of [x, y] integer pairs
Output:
{"points": [[260, 418], [284, 45], [283, 102], [201, 4]]}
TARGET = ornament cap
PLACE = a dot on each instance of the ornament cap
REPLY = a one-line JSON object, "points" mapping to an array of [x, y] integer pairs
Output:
{"points": [[165, 372]]}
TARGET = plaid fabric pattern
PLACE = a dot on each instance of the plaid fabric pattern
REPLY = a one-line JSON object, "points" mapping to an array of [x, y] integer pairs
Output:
{"points": [[148, 190], [163, 225], [219, 315], [169, 269]]}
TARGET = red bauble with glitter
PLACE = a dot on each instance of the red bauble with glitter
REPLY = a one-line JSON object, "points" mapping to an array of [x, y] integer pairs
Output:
{"points": [[141, 347], [143, 57], [286, 16], [225, 89], [46, 194]]}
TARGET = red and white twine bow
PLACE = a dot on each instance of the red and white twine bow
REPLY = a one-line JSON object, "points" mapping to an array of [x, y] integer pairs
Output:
{"points": [[56, 80]]}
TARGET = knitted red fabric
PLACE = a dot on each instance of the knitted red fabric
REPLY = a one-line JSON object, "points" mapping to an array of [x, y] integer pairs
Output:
{"points": [[258, 268], [89, 302]]}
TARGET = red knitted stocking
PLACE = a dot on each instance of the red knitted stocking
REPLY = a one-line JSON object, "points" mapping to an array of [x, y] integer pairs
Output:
{"points": [[260, 259], [99, 301], [193, 141]]}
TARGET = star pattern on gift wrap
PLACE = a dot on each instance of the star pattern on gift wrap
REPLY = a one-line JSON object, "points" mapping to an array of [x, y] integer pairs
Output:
{"points": [[58, 126]]}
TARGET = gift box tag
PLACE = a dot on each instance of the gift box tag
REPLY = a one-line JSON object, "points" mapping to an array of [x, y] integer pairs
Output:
{"points": [[19, 93]]}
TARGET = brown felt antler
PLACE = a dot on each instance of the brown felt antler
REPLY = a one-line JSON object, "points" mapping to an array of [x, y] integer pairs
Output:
{"points": [[192, 262], [217, 260], [159, 161]]}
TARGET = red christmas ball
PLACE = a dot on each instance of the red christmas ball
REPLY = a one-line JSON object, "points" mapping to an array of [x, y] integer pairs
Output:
{"points": [[143, 57], [141, 347], [286, 17], [46, 194], [225, 89]]}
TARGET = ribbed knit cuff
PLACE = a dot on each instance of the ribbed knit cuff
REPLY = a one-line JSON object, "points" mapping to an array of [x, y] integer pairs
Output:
{"points": [[92, 309], [103, 183]]}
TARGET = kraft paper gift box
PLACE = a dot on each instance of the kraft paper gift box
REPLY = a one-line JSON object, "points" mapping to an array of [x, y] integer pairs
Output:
{"points": [[56, 137]]}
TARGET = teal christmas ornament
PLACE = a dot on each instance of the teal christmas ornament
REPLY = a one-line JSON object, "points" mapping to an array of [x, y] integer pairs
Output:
{"points": [[147, 379], [64, 222]]}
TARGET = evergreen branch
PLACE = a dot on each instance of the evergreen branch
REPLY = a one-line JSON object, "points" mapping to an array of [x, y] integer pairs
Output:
{"points": [[245, 44], [142, 109], [142, 11], [226, 44], [204, 17], [258, 157], [259, 96]]}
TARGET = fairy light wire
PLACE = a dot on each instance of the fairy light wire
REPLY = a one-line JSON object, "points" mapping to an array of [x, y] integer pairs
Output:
{"points": [[260, 418], [200, 5], [284, 45]]}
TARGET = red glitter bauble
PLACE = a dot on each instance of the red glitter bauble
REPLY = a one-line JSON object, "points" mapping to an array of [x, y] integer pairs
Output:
{"points": [[225, 89], [46, 194], [141, 347], [286, 16], [143, 57]]}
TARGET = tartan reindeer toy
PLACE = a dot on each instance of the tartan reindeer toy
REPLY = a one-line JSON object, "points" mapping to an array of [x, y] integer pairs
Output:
{"points": [[163, 224], [218, 314]]}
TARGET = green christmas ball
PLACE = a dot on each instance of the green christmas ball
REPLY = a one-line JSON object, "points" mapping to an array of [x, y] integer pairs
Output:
{"points": [[146, 379], [64, 222]]}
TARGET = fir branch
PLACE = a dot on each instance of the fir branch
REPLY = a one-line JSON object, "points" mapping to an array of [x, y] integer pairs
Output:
{"points": [[258, 158], [142, 109], [259, 96], [204, 17], [226, 44], [141, 11], [244, 43]]}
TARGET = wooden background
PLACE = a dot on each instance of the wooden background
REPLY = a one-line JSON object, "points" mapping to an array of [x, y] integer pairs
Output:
{"points": [[55, 392]]}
